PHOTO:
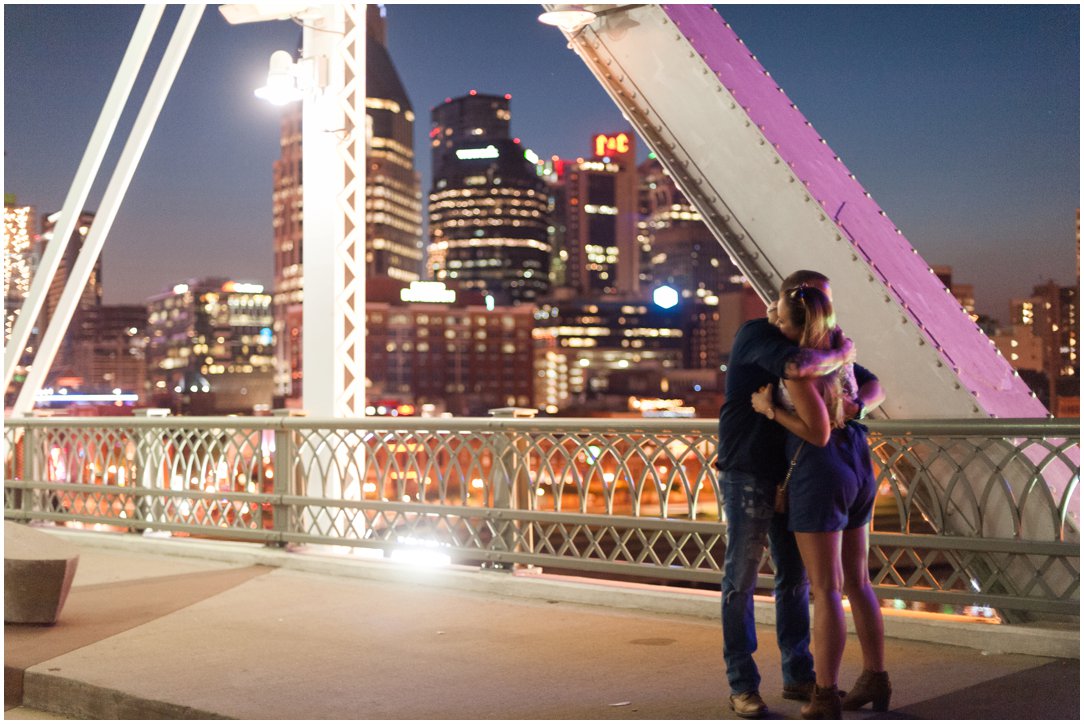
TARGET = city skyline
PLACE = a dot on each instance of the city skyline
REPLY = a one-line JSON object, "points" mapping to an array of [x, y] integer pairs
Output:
{"points": [[962, 122]]}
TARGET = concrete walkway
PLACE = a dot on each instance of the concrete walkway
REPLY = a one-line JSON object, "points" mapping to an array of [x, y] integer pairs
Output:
{"points": [[160, 629]]}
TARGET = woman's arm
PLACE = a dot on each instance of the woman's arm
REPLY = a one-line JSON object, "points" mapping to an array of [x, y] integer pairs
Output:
{"points": [[810, 363], [809, 421]]}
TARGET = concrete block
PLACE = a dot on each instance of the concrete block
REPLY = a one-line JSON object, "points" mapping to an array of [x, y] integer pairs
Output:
{"points": [[38, 573]]}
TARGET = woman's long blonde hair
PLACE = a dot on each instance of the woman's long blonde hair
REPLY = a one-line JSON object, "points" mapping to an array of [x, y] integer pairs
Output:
{"points": [[811, 310]]}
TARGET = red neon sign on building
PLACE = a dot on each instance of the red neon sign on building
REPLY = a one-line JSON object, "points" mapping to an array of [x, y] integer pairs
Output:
{"points": [[607, 145]]}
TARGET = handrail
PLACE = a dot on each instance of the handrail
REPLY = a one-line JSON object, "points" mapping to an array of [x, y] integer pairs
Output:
{"points": [[1049, 427], [976, 510]]}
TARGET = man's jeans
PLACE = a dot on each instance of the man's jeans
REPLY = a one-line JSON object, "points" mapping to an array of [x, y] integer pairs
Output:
{"points": [[751, 523]]}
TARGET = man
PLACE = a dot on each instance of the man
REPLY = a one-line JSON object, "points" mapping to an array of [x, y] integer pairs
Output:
{"points": [[752, 463]]}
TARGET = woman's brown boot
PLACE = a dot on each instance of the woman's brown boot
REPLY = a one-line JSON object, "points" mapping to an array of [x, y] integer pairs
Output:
{"points": [[825, 704], [872, 686]]}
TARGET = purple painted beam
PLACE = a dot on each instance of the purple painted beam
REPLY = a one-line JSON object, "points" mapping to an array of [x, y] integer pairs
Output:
{"points": [[917, 290]]}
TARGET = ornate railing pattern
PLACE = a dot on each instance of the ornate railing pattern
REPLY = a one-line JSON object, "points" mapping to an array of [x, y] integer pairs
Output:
{"points": [[969, 512]]}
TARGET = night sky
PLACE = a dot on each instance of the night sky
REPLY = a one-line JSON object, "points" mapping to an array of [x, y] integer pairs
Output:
{"points": [[962, 121]]}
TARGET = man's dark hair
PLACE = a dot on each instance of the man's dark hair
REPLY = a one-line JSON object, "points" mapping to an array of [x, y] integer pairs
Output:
{"points": [[804, 277]]}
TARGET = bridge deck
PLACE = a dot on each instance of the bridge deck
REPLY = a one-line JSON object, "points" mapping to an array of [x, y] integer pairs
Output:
{"points": [[231, 630]]}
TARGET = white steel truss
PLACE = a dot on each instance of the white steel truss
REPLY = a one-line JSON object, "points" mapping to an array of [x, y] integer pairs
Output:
{"points": [[77, 195], [777, 199], [334, 140]]}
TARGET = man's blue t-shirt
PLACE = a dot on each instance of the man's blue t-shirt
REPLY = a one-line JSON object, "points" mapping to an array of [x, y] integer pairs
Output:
{"points": [[748, 441]]}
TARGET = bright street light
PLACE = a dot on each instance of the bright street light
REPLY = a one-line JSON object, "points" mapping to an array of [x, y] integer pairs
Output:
{"points": [[281, 85], [287, 81]]}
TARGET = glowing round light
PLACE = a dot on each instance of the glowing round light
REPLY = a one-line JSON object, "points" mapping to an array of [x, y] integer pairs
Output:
{"points": [[665, 297]]}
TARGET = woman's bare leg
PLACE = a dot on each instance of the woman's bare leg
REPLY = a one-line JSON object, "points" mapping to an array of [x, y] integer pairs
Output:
{"points": [[865, 608], [821, 555]]}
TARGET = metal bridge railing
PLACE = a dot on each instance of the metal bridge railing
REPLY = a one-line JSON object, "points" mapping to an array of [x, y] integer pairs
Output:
{"points": [[969, 512]]}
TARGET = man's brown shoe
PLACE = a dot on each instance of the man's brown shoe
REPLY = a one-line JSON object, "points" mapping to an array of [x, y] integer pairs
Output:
{"points": [[748, 705]]}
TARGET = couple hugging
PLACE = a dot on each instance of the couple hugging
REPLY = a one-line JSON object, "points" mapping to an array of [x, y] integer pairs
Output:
{"points": [[793, 398]]}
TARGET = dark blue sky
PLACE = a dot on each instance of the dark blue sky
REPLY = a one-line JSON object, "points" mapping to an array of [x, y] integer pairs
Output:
{"points": [[962, 121]]}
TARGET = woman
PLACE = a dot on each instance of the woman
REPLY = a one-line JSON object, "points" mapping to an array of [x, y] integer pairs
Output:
{"points": [[831, 493]]}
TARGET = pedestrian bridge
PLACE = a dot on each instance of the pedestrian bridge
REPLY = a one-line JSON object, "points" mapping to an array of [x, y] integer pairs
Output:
{"points": [[969, 517], [157, 629]]}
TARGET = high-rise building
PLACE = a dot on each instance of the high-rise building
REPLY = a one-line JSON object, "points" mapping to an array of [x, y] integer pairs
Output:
{"points": [[393, 200], [108, 348], [1052, 311], [600, 214], [210, 346], [1021, 347], [677, 248], [465, 121], [964, 293], [19, 259], [288, 232], [393, 209], [580, 344], [90, 297], [488, 208], [20, 262], [428, 345], [736, 307]]}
